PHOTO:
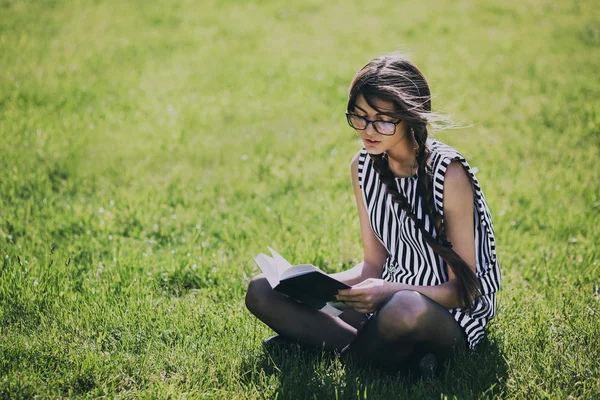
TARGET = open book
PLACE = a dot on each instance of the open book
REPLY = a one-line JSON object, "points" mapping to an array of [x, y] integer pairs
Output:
{"points": [[304, 282]]}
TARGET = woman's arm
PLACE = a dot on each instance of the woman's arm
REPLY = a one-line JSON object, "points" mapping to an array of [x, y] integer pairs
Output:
{"points": [[458, 218], [374, 253]]}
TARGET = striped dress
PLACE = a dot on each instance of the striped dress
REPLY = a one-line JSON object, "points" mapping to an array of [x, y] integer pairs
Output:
{"points": [[410, 259]]}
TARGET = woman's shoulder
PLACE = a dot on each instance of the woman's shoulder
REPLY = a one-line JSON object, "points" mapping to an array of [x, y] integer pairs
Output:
{"points": [[355, 159], [442, 156], [359, 158], [441, 151], [448, 168], [357, 165]]}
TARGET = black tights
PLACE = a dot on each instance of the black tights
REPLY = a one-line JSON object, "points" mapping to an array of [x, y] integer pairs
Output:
{"points": [[407, 325]]}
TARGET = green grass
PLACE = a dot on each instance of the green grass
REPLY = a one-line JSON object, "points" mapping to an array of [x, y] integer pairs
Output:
{"points": [[150, 149]]}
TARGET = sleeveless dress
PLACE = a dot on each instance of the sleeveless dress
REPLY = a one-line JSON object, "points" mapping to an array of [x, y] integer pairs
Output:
{"points": [[410, 259]]}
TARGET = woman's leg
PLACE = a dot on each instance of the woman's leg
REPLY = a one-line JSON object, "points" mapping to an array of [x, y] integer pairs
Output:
{"points": [[408, 323], [297, 321]]}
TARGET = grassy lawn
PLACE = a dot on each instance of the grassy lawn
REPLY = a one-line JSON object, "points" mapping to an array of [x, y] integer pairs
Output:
{"points": [[150, 149]]}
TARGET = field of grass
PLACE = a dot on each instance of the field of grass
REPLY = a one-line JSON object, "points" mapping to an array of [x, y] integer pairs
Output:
{"points": [[148, 150]]}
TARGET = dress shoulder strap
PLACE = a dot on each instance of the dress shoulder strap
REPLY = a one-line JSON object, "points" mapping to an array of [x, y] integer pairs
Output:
{"points": [[441, 156], [363, 160]]}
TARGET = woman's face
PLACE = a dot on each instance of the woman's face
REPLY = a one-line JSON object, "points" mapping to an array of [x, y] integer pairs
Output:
{"points": [[374, 142]]}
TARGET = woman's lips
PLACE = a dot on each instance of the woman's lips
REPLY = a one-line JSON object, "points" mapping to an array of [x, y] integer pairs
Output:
{"points": [[371, 142]]}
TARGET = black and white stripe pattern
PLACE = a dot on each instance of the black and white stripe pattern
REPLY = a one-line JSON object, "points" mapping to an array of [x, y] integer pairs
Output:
{"points": [[411, 260]]}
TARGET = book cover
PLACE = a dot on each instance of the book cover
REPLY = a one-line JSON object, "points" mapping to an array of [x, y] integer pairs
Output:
{"points": [[304, 282]]}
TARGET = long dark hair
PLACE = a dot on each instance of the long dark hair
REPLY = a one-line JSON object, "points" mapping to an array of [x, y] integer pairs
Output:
{"points": [[395, 79]]}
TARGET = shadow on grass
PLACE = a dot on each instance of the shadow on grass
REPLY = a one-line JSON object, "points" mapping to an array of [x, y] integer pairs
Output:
{"points": [[302, 373]]}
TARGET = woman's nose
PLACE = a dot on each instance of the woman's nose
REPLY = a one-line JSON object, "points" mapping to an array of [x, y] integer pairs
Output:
{"points": [[370, 128]]}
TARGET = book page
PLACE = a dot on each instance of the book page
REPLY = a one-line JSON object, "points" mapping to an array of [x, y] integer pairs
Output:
{"points": [[268, 267], [281, 264], [298, 270], [331, 310]]}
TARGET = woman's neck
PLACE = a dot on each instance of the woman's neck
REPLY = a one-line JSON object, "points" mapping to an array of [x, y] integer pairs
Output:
{"points": [[402, 161]]}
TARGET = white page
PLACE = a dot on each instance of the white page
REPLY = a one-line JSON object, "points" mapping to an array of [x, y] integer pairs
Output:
{"points": [[268, 267], [331, 310], [281, 263], [299, 269]]}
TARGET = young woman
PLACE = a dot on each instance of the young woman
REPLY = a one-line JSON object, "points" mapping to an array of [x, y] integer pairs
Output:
{"points": [[426, 287]]}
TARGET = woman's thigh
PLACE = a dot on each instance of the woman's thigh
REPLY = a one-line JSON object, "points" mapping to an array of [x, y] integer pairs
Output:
{"points": [[298, 321]]}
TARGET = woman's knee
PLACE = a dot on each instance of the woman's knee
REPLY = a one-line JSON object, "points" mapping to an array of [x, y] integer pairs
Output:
{"points": [[402, 314], [257, 294]]}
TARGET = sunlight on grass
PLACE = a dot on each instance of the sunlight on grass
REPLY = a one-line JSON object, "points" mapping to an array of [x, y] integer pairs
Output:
{"points": [[150, 150]]}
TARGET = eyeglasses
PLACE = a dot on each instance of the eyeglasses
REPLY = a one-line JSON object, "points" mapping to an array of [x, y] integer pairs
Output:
{"points": [[386, 128]]}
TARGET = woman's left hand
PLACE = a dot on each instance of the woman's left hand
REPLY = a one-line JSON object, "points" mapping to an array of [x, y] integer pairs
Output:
{"points": [[366, 296]]}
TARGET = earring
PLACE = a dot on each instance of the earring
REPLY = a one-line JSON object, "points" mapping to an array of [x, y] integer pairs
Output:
{"points": [[417, 147]]}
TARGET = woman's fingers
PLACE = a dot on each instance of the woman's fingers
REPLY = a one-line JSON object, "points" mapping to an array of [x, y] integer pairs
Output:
{"points": [[359, 300], [353, 304], [349, 294], [344, 297], [357, 305], [360, 306]]}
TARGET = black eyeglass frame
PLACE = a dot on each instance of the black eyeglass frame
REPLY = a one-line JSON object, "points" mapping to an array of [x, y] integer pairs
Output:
{"points": [[349, 115]]}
